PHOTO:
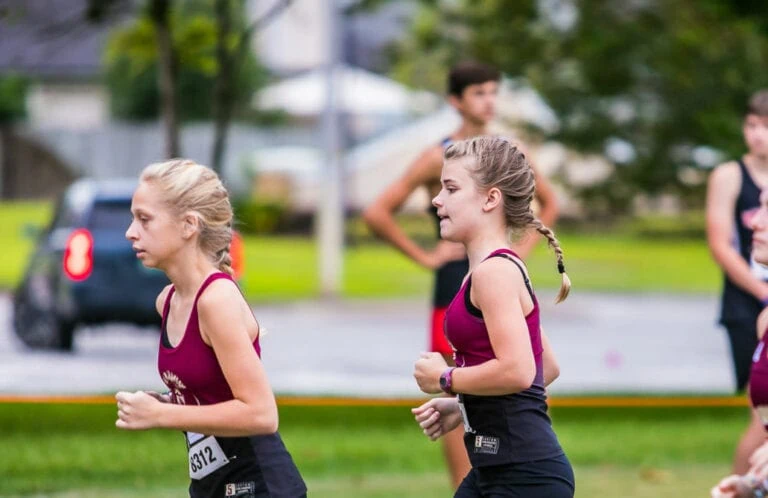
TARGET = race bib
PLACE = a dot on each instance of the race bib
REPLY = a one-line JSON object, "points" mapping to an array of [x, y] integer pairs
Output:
{"points": [[205, 455], [467, 428]]}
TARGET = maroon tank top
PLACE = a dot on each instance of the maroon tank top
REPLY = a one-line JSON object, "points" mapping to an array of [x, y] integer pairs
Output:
{"points": [[502, 429], [758, 380], [191, 370], [465, 327]]}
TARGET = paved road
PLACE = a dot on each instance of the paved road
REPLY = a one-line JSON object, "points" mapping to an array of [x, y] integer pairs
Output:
{"points": [[605, 343]]}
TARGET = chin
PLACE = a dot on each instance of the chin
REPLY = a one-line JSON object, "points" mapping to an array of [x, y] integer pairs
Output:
{"points": [[147, 262], [448, 236]]}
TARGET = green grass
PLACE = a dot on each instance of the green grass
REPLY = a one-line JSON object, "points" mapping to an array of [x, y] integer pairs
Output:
{"points": [[286, 267], [363, 452], [15, 219]]}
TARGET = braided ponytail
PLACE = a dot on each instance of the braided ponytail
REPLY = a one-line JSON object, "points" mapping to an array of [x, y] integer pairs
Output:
{"points": [[189, 187], [499, 163], [224, 261], [565, 284]]}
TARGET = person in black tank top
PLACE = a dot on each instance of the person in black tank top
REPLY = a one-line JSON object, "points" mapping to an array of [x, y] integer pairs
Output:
{"points": [[472, 91], [755, 481], [732, 199]]}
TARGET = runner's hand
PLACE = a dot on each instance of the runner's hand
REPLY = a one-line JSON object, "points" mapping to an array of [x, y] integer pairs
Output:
{"points": [[759, 462], [136, 411], [443, 253], [732, 486], [161, 397], [427, 371], [438, 416]]}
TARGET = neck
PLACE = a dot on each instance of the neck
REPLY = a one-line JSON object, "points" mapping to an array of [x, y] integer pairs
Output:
{"points": [[188, 273], [469, 129], [481, 246], [759, 162]]}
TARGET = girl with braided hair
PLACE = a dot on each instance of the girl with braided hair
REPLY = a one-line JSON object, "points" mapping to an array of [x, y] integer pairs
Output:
{"points": [[209, 357], [502, 360]]}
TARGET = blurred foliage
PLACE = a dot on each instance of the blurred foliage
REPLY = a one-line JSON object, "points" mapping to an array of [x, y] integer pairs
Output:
{"points": [[258, 217], [13, 93], [664, 76], [131, 65]]}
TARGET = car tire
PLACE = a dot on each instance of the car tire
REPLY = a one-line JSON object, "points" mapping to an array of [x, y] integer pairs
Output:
{"points": [[42, 329]]}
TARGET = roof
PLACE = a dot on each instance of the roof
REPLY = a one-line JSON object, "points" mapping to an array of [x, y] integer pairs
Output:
{"points": [[53, 38], [359, 91]]}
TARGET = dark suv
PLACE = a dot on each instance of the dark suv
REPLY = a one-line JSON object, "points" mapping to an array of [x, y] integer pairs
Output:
{"points": [[83, 269]]}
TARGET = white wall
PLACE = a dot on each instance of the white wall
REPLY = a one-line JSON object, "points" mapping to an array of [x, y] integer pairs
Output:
{"points": [[296, 40], [67, 105]]}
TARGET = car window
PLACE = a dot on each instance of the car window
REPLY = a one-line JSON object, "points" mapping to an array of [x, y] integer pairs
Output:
{"points": [[110, 215], [64, 216]]}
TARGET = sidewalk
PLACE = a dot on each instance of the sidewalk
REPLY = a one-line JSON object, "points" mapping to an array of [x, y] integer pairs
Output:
{"points": [[617, 343]]}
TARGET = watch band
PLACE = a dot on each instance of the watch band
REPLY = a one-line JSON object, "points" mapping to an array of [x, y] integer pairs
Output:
{"points": [[446, 380]]}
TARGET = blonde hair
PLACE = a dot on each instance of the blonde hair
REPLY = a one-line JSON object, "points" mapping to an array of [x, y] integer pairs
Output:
{"points": [[498, 163], [188, 187]]}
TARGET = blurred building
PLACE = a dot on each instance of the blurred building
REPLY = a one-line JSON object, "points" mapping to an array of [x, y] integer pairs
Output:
{"points": [[296, 41], [51, 44], [386, 124]]}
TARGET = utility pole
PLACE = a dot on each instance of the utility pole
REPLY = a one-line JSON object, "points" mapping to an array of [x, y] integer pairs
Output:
{"points": [[330, 218]]}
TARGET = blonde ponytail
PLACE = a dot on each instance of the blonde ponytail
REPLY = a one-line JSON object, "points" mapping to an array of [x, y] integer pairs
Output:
{"points": [[565, 283], [224, 262]]}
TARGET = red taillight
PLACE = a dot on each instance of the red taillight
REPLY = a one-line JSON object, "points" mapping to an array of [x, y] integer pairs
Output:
{"points": [[78, 255], [237, 253]]}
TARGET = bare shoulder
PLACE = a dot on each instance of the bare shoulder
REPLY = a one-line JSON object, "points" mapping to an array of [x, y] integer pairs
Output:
{"points": [[160, 300], [498, 275], [222, 293], [727, 173], [762, 323], [429, 163]]}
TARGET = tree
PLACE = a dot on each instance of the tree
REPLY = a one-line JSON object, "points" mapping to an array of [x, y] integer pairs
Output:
{"points": [[667, 80], [232, 62], [13, 90], [209, 48]]}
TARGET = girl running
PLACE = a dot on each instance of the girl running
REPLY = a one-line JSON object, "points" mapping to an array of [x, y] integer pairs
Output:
{"points": [[493, 326], [209, 355]]}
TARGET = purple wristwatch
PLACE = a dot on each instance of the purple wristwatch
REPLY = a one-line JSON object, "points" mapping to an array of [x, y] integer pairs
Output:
{"points": [[446, 380]]}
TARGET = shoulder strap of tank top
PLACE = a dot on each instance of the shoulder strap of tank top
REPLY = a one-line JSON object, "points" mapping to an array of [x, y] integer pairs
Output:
{"points": [[745, 176], [167, 306], [520, 267], [208, 281], [474, 310]]}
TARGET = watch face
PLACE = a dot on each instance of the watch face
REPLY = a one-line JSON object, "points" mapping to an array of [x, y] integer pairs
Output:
{"points": [[442, 381]]}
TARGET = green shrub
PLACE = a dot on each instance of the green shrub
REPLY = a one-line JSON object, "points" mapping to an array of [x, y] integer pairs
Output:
{"points": [[258, 216]]}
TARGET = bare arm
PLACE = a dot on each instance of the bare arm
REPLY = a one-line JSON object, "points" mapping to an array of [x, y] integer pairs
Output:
{"points": [[551, 368], [253, 409], [722, 191], [500, 293], [380, 215], [762, 323], [160, 301]]}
